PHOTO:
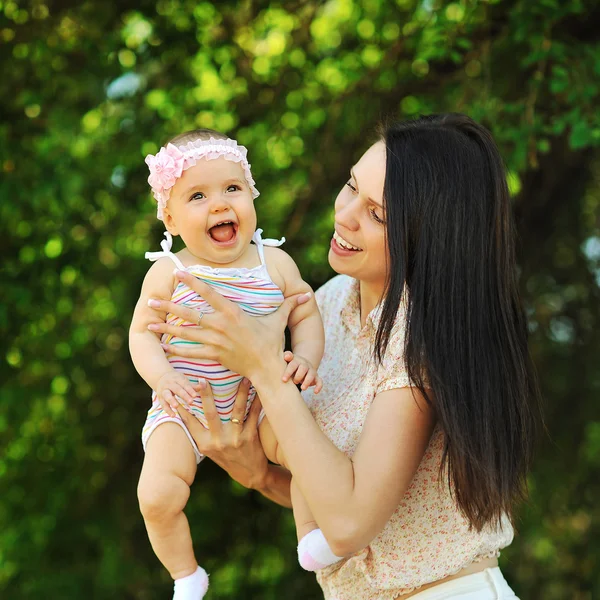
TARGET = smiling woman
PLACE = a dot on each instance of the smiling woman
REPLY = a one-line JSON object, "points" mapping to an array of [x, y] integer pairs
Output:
{"points": [[358, 247], [413, 457]]}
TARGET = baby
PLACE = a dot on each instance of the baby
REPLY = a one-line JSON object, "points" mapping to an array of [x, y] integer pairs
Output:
{"points": [[205, 193]]}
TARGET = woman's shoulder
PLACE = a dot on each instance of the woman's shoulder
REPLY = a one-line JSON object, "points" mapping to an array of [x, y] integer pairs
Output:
{"points": [[334, 286], [334, 291]]}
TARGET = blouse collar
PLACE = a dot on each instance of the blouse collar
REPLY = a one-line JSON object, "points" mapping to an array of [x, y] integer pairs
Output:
{"points": [[350, 314]]}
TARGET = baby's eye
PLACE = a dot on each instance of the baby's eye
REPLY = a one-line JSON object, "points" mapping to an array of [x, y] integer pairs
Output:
{"points": [[349, 184], [197, 196], [234, 188]]}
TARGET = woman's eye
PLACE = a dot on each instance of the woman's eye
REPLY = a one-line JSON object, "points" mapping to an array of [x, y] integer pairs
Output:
{"points": [[349, 184], [375, 216]]}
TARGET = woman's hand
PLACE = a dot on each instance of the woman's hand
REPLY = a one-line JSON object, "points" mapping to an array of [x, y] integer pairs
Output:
{"points": [[234, 446], [242, 343]]}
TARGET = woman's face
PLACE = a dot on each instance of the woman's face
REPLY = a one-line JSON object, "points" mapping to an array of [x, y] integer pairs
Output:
{"points": [[358, 247]]}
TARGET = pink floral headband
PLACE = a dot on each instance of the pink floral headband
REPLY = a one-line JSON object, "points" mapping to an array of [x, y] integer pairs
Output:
{"points": [[171, 161]]}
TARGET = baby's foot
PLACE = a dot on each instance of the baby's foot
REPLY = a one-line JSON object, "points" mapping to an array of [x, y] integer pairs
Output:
{"points": [[192, 587], [314, 552]]}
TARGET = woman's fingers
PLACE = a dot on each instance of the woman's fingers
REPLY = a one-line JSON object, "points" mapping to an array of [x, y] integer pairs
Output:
{"points": [[190, 315], [193, 334], [251, 423], [289, 304], [192, 351], [200, 434], [241, 400], [208, 404], [216, 300]]}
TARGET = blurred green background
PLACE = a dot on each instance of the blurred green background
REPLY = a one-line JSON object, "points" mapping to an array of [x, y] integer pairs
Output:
{"points": [[88, 88]]}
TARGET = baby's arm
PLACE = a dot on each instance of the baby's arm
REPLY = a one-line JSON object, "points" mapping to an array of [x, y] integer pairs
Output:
{"points": [[147, 354], [305, 324]]}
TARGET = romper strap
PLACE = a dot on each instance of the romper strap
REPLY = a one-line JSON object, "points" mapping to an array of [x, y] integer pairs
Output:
{"points": [[260, 243], [166, 246]]}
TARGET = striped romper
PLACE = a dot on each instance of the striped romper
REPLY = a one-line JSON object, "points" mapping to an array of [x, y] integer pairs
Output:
{"points": [[255, 292]]}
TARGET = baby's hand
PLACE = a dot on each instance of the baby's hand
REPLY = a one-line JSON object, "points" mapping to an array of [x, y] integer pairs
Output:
{"points": [[301, 371], [171, 383]]}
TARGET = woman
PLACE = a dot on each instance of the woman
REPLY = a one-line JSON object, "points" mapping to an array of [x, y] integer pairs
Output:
{"points": [[417, 449]]}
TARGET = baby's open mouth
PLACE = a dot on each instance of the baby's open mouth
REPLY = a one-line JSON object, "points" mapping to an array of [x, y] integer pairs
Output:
{"points": [[223, 232]]}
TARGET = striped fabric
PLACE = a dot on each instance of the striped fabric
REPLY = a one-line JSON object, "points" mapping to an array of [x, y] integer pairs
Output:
{"points": [[256, 294]]}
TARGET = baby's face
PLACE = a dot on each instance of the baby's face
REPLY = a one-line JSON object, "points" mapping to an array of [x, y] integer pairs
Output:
{"points": [[212, 209]]}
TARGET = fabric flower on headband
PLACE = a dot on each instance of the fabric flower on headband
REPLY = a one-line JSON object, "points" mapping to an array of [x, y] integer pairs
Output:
{"points": [[165, 168]]}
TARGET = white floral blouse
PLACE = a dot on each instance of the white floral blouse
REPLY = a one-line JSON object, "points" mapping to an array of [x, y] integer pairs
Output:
{"points": [[426, 538]]}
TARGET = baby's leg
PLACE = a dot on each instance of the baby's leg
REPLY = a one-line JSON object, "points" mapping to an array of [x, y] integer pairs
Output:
{"points": [[269, 443], [313, 550], [303, 517], [163, 491]]}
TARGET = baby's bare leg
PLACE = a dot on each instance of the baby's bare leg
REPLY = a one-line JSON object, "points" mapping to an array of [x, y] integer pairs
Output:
{"points": [[313, 550], [305, 522], [270, 444], [163, 491], [302, 514]]}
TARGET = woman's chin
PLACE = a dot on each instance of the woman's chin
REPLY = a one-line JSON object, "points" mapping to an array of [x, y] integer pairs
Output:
{"points": [[338, 265]]}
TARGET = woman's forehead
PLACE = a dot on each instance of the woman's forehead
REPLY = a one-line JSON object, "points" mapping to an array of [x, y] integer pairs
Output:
{"points": [[369, 171]]}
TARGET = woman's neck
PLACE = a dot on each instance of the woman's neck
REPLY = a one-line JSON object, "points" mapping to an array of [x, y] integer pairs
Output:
{"points": [[370, 295]]}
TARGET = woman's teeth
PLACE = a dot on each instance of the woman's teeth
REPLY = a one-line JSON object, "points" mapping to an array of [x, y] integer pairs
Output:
{"points": [[343, 243]]}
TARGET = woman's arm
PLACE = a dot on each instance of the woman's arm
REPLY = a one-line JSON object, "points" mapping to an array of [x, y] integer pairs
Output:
{"points": [[351, 498], [276, 485]]}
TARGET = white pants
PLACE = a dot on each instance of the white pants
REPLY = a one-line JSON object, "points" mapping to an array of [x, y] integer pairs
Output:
{"points": [[485, 585]]}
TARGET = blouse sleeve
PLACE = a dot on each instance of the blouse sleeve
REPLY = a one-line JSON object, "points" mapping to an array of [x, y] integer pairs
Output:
{"points": [[392, 373]]}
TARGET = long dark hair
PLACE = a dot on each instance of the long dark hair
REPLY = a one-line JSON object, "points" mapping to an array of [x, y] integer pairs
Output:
{"points": [[451, 241]]}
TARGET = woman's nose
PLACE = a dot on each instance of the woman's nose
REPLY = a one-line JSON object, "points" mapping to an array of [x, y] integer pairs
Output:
{"points": [[345, 211]]}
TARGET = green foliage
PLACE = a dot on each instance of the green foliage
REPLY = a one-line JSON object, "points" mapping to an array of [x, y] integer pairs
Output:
{"points": [[90, 87]]}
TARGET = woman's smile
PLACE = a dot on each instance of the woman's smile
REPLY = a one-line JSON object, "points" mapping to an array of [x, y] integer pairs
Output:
{"points": [[338, 242]]}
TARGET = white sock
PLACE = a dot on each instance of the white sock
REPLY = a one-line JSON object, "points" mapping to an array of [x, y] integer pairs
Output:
{"points": [[314, 552], [192, 587]]}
